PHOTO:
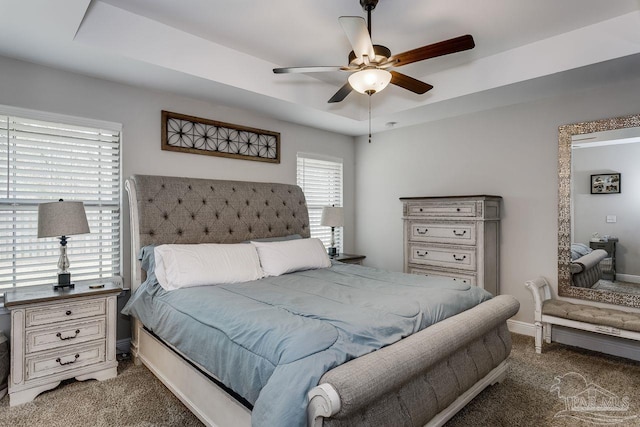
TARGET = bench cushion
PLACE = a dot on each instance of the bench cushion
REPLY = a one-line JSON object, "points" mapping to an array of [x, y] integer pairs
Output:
{"points": [[589, 314]]}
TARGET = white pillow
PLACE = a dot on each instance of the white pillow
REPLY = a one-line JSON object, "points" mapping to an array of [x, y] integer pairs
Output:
{"points": [[279, 258], [181, 266]]}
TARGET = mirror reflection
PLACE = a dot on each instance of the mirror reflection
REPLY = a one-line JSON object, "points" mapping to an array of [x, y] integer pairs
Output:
{"points": [[599, 211], [605, 202]]}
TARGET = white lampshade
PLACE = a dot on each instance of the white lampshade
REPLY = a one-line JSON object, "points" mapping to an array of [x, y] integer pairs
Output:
{"points": [[370, 80], [332, 216], [62, 219]]}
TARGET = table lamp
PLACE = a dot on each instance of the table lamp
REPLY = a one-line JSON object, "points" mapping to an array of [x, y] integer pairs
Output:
{"points": [[62, 219], [333, 217]]}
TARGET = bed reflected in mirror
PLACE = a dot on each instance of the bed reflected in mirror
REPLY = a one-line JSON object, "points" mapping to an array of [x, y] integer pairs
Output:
{"points": [[599, 211]]}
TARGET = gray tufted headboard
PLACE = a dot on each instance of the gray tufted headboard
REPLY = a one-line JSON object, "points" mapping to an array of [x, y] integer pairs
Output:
{"points": [[189, 210]]}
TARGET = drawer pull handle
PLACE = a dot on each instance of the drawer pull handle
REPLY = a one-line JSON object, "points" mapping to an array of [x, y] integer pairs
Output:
{"points": [[68, 313], [420, 209], [70, 337], [458, 258], [423, 254], [422, 232], [460, 234], [69, 362], [457, 209]]}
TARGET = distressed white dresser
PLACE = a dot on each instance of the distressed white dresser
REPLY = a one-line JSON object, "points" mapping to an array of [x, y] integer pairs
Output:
{"points": [[457, 237], [57, 335]]}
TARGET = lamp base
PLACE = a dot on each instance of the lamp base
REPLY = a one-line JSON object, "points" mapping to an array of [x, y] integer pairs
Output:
{"points": [[332, 252], [64, 281]]}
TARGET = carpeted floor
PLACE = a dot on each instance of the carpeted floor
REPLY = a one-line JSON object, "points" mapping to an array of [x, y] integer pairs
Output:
{"points": [[524, 398], [137, 398], [618, 286]]}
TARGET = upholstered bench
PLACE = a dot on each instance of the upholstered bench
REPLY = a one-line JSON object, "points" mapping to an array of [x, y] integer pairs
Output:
{"points": [[549, 312]]}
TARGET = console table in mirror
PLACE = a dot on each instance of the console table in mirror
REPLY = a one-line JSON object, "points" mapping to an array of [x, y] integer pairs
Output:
{"points": [[596, 209]]}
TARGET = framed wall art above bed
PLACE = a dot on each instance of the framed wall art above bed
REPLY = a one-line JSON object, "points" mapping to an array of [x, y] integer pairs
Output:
{"points": [[188, 134]]}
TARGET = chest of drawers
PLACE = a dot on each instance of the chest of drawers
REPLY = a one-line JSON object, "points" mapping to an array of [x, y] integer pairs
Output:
{"points": [[57, 335], [454, 237]]}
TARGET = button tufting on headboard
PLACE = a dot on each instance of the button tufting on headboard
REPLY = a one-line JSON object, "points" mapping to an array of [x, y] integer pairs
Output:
{"points": [[189, 210]]}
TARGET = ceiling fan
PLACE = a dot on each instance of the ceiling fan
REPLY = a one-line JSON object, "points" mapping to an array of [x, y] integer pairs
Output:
{"points": [[370, 64]]}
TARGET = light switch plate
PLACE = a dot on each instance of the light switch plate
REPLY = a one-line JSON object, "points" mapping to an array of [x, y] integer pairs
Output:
{"points": [[611, 218]]}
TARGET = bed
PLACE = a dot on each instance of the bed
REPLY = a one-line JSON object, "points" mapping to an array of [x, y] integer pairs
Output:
{"points": [[421, 379]]}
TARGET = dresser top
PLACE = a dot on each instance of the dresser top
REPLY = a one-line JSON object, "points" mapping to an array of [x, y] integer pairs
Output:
{"points": [[45, 293], [476, 197]]}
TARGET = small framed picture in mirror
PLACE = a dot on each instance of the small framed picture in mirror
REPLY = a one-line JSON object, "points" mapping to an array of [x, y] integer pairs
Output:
{"points": [[608, 183]]}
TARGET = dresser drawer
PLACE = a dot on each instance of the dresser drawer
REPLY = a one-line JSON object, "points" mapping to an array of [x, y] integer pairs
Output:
{"points": [[451, 257], [462, 233], [442, 209], [66, 359], [466, 279], [64, 335], [67, 311]]}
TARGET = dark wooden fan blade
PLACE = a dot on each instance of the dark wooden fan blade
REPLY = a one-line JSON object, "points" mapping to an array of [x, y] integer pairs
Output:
{"points": [[341, 93], [433, 50], [305, 69], [409, 83]]}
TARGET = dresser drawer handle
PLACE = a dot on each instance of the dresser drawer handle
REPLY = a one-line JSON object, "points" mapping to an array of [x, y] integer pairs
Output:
{"points": [[70, 337], [458, 258], [68, 313], [463, 280], [69, 362], [420, 209], [421, 255], [460, 234], [422, 232], [457, 209]]}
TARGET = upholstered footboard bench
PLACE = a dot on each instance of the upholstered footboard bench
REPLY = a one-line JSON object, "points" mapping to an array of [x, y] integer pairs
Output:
{"points": [[549, 311]]}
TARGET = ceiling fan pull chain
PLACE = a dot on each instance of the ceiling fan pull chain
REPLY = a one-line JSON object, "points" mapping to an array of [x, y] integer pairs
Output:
{"points": [[369, 118]]}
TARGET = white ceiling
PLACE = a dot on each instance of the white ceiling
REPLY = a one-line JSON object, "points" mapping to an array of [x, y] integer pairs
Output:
{"points": [[223, 51]]}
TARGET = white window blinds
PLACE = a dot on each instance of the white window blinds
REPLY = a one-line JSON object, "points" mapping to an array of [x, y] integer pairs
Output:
{"points": [[44, 161], [320, 178]]}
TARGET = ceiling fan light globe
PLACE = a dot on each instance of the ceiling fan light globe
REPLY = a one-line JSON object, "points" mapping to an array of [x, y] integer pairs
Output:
{"points": [[369, 81]]}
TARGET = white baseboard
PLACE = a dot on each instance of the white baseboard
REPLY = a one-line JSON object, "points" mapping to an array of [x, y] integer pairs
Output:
{"points": [[629, 278], [522, 328], [615, 346]]}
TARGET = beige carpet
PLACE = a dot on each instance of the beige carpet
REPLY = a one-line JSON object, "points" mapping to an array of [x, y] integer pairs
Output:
{"points": [[137, 398]]}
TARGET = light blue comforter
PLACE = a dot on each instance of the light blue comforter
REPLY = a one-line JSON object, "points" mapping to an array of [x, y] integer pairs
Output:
{"points": [[272, 339]]}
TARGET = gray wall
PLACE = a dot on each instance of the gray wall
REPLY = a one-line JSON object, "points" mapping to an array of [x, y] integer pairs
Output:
{"points": [[509, 151], [37, 87], [591, 210]]}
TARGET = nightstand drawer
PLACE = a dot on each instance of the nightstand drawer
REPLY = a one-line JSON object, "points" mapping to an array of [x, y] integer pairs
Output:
{"points": [[442, 209], [462, 233], [62, 312], [64, 335], [443, 256], [466, 279], [71, 358]]}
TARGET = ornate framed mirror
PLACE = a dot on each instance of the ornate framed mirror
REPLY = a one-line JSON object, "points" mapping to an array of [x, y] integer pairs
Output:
{"points": [[574, 203]]}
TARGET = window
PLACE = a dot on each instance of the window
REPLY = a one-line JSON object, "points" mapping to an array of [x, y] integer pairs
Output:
{"points": [[320, 178], [44, 158]]}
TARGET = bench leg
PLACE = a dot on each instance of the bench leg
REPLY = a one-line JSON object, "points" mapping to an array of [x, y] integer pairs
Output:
{"points": [[547, 333], [538, 337]]}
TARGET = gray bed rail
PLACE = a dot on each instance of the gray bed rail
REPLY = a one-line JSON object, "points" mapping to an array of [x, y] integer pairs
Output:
{"points": [[420, 377]]}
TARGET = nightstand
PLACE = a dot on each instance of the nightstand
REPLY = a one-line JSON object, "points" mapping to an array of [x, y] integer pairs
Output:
{"points": [[57, 335], [349, 258], [610, 247]]}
